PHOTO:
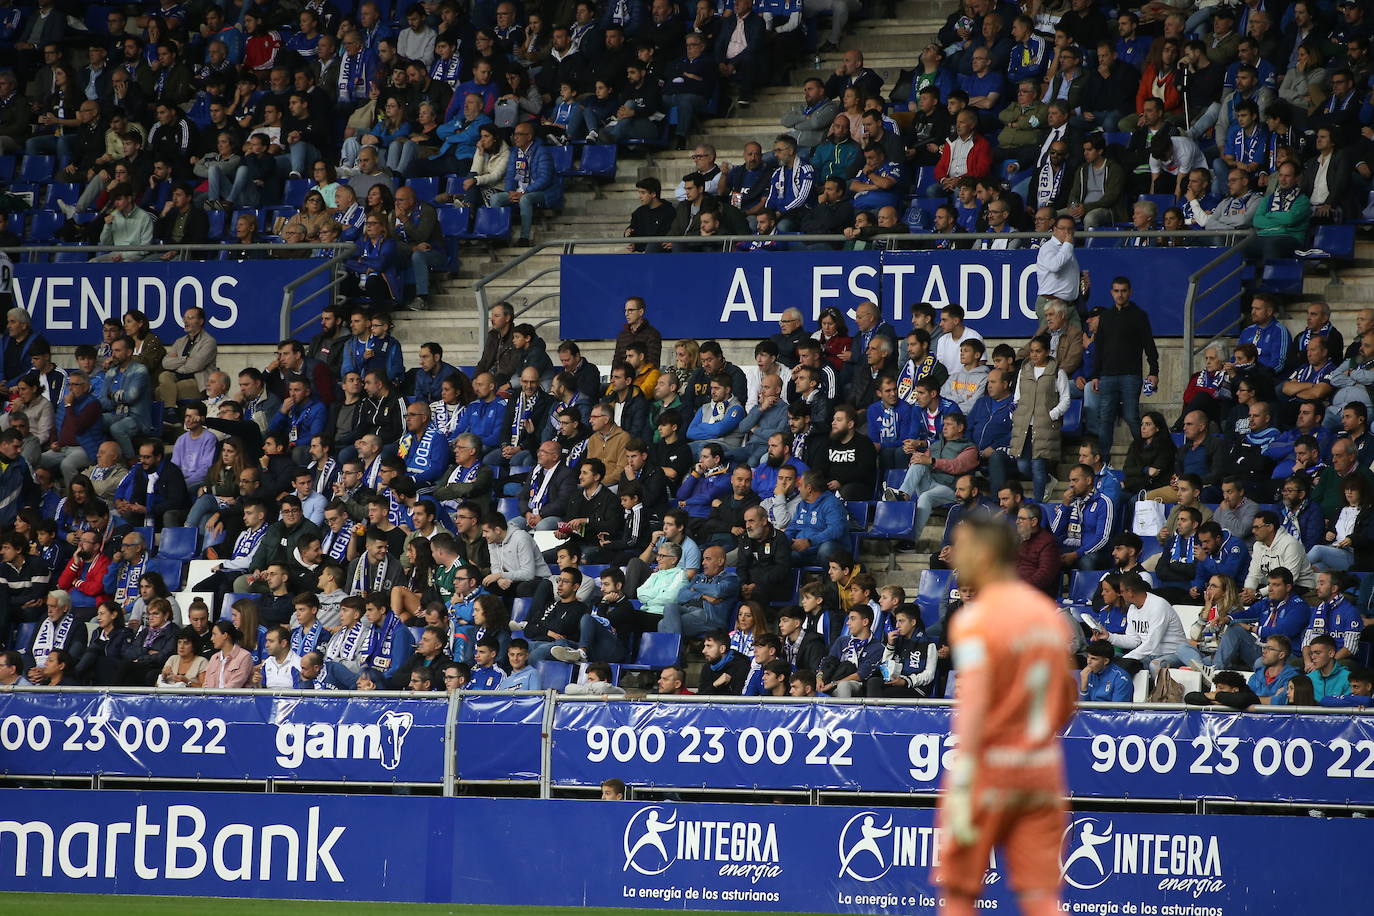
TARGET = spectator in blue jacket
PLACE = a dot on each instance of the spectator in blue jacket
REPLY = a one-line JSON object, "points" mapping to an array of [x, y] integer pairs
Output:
{"points": [[717, 420], [989, 427], [17, 488], [1301, 517], [485, 415], [1219, 553], [423, 447], [300, 419], [459, 136], [789, 190], [1083, 524], [1102, 680], [854, 656], [707, 601], [375, 273], [531, 180], [128, 397], [1267, 333], [708, 481], [379, 351], [820, 523], [1029, 53], [888, 418], [1280, 613], [766, 417]]}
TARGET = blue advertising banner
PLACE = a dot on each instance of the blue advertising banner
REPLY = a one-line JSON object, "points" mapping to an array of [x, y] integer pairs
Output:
{"points": [[742, 296], [499, 738], [1109, 753], [333, 739], [649, 855], [241, 299]]}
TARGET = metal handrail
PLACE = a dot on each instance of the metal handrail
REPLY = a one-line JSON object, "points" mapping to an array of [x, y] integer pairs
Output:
{"points": [[727, 242], [1190, 320], [289, 305]]}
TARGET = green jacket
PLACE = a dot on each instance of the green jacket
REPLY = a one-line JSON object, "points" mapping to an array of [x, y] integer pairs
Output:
{"points": [[1291, 222]]}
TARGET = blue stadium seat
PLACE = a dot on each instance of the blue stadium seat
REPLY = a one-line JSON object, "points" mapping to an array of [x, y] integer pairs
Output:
{"points": [[562, 157], [293, 192], [1097, 241], [1120, 137], [895, 477], [416, 633], [656, 650], [8, 164], [932, 594], [520, 609], [453, 225], [37, 169], [859, 514], [1336, 243], [1282, 276], [492, 223], [598, 162], [508, 506], [930, 205], [426, 189], [43, 227], [1082, 584], [257, 215], [179, 543], [226, 607], [217, 222], [64, 191], [554, 675], [516, 470], [593, 570], [1073, 419], [1151, 546], [170, 570], [893, 521], [147, 532]]}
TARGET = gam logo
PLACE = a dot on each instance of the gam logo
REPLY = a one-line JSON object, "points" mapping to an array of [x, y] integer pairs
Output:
{"points": [[645, 850], [382, 741]]}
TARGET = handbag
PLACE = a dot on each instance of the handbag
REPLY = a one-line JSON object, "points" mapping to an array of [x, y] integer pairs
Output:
{"points": [[507, 112], [1149, 517]]}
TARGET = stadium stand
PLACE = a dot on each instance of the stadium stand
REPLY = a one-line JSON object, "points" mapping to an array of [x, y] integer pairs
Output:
{"points": [[360, 486]]}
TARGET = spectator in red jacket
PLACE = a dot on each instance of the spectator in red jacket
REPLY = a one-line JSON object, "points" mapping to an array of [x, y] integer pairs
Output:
{"points": [[84, 577], [965, 155], [1037, 554]]}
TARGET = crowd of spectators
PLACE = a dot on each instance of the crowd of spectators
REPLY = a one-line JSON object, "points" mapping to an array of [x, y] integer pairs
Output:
{"points": [[1194, 123], [377, 521]]}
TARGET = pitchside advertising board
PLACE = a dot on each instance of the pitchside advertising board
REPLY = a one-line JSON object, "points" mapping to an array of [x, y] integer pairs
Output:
{"points": [[325, 739], [1108, 753], [742, 296], [242, 299], [648, 855]]}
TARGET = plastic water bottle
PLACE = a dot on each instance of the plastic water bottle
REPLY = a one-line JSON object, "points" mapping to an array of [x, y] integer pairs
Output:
{"points": [[1148, 389]]}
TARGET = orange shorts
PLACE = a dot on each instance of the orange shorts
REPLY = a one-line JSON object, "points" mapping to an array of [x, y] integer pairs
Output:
{"points": [[1029, 840]]}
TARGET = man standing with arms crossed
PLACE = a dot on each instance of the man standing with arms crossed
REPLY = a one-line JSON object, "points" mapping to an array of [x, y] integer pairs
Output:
{"points": [[1006, 786]]}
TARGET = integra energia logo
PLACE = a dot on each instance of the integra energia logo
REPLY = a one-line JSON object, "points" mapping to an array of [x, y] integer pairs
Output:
{"points": [[657, 837], [1094, 851]]}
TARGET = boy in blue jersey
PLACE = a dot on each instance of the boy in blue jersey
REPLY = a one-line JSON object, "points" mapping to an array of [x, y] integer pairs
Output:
{"points": [[522, 676], [1101, 680], [485, 674]]}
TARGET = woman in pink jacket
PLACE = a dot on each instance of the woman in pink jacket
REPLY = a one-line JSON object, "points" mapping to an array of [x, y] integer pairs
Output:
{"points": [[231, 665]]}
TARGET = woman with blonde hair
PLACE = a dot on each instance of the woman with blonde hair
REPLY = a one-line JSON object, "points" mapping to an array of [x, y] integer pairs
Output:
{"points": [[687, 353], [1220, 599]]}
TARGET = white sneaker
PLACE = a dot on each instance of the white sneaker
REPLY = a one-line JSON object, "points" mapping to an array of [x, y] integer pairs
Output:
{"points": [[571, 656], [67, 209], [1312, 253]]}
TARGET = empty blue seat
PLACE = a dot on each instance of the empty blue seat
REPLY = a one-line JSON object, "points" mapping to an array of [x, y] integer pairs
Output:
{"points": [[43, 227], [562, 157], [170, 570], [657, 650], [37, 169], [217, 222], [1119, 137], [508, 506], [25, 637], [598, 161], [179, 543], [859, 513], [1073, 419], [893, 521], [932, 594], [1282, 276], [8, 164], [1098, 241], [1330, 242], [294, 191], [554, 675], [426, 189], [492, 223]]}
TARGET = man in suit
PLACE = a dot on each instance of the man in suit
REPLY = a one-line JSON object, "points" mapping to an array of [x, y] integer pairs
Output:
{"points": [[552, 484], [739, 50]]}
